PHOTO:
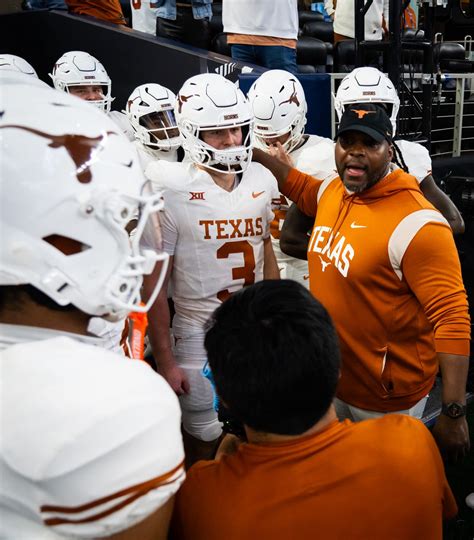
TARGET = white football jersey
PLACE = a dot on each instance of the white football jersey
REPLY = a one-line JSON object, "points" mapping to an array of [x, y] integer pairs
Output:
{"points": [[215, 236], [417, 159], [122, 121], [144, 15], [147, 155], [315, 157], [90, 444]]}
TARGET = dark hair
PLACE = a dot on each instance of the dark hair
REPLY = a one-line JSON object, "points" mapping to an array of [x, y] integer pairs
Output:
{"points": [[11, 297], [398, 157], [274, 356], [397, 153]]}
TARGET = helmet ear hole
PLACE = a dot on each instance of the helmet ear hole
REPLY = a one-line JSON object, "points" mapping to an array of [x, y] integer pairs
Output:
{"points": [[67, 246]]}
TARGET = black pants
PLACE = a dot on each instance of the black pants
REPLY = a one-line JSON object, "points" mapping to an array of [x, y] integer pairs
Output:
{"points": [[185, 28]]}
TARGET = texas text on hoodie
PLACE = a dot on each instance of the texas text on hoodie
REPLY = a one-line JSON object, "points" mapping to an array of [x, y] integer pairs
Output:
{"points": [[384, 264]]}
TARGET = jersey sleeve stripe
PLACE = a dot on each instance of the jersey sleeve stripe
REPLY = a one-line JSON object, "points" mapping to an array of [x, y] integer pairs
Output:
{"points": [[138, 488], [324, 185], [53, 521], [404, 233]]}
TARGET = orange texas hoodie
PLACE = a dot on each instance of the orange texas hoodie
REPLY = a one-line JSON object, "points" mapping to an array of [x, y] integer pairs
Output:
{"points": [[384, 264]]}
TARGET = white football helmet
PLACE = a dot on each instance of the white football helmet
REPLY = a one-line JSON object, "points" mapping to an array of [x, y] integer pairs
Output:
{"points": [[150, 110], [279, 106], [208, 102], [10, 62], [367, 85], [70, 183], [78, 68]]}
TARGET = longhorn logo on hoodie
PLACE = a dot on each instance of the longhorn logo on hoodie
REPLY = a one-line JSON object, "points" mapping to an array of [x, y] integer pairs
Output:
{"points": [[334, 247]]}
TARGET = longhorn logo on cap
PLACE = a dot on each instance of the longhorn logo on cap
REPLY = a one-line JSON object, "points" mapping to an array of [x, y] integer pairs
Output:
{"points": [[362, 112]]}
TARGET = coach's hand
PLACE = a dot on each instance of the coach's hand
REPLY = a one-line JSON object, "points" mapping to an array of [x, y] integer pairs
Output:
{"points": [[452, 437], [280, 153]]}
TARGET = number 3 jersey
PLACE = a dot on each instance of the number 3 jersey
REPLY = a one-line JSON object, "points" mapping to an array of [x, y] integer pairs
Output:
{"points": [[216, 236]]}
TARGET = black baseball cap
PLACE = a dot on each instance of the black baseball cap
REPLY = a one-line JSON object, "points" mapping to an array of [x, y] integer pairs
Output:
{"points": [[367, 118]]}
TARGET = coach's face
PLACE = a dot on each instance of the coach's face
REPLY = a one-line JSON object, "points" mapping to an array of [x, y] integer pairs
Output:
{"points": [[361, 161]]}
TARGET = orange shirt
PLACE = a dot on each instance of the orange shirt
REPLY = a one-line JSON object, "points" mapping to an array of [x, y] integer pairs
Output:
{"points": [[384, 264], [106, 10], [378, 479]]}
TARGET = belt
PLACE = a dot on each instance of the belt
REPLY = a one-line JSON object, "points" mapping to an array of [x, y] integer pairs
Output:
{"points": [[179, 4]]}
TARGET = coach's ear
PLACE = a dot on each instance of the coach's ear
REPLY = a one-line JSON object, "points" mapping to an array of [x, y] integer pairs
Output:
{"points": [[391, 151]]}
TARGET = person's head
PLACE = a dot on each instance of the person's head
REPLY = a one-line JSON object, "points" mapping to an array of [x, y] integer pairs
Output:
{"points": [[363, 146], [70, 184], [274, 357], [79, 73], [92, 92], [150, 109], [279, 106], [216, 123], [11, 62], [368, 85]]}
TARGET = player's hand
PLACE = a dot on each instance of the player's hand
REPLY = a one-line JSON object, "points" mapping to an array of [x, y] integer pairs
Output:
{"points": [[452, 437], [280, 153], [175, 377]]}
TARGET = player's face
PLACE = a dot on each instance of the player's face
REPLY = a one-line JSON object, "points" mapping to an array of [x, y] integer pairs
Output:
{"points": [[272, 141], [88, 93], [361, 161], [223, 138], [162, 123]]}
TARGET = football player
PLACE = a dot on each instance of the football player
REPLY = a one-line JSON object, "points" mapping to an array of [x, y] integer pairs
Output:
{"points": [[369, 85], [150, 111], [82, 75], [279, 106], [216, 229], [91, 444]]}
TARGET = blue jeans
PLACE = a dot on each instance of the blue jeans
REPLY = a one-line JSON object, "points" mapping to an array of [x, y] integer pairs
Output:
{"points": [[47, 4], [271, 57]]}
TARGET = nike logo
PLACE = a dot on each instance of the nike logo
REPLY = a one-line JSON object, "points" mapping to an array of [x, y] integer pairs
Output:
{"points": [[257, 194], [324, 264], [306, 277], [355, 226]]}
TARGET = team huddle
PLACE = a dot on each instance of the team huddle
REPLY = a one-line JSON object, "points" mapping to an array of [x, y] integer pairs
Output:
{"points": [[171, 207]]}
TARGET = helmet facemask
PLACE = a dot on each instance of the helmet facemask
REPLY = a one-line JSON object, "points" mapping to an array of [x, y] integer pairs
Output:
{"points": [[159, 131], [234, 159], [103, 104]]}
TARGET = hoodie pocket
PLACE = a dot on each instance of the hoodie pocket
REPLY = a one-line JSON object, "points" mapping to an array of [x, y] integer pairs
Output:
{"points": [[386, 372]]}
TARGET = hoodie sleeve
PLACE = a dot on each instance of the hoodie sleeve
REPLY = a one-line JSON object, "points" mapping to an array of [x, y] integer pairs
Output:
{"points": [[302, 189], [432, 270]]}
